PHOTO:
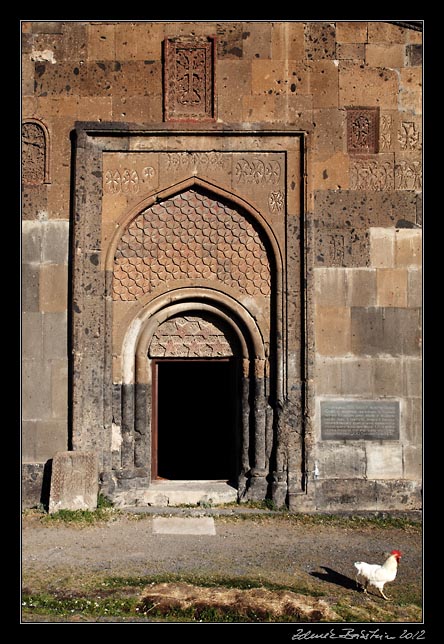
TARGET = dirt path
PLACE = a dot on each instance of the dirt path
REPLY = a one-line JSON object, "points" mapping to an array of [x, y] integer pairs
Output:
{"points": [[315, 558]]}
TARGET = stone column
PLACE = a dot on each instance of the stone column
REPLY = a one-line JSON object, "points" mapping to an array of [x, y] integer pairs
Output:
{"points": [[127, 426], [258, 483]]}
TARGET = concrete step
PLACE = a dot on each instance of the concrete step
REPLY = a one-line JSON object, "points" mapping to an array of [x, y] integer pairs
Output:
{"points": [[176, 493]]}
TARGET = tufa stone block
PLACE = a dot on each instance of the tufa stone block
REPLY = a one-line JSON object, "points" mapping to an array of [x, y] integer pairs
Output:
{"points": [[32, 335], [388, 377], [367, 86], [412, 368], [101, 42], [287, 41], [320, 40], [341, 461], [51, 437], [412, 458], [384, 461], [357, 376], [332, 330], [53, 288], [414, 55], [408, 247], [384, 55], [410, 91], [382, 247], [351, 32], [414, 294], [385, 32], [328, 376], [36, 389], [74, 481], [391, 287], [324, 83], [330, 286], [350, 51], [361, 287]]}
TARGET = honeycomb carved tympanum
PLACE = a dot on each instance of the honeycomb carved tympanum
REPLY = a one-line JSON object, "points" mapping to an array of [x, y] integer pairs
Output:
{"points": [[191, 236]]}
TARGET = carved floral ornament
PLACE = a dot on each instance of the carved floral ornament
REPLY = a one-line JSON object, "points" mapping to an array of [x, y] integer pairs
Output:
{"points": [[362, 130]]}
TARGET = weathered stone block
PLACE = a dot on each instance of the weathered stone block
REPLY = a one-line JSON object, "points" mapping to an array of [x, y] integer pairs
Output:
{"points": [[408, 247], [32, 335], [55, 335], [410, 91], [101, 42], [357, 376], [36, 389], [324, 83], [259, 108], [385, 32], [30, 287], [287, 41], [384, 461], [234, 81], [59, 388], [320, 40], [341, 462], [382, 247], [367, 86], [32, 234], [51, 437], [258, 42], [382, 55], [230, 37], [412, 369], [274, 77], [361, 287], [391, 287], [29, 429], [53, 288], [331, 171], [74, 481], [330, 286], [332, 330], [393, 495], [414, 295], [33, 482], [392, 331], [350, 494], [388, 377], [328, 376], [413, 421], [329, 130], [350, 51], [55, 242], [412, 462], [351, 32], [414, 55]]}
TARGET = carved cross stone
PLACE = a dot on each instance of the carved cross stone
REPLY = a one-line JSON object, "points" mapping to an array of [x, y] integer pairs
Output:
{"points": [[189, 79], [362, 130]]}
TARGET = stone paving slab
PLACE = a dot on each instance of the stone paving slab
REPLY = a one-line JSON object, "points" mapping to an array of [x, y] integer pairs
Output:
{"points": [[186, 525]]}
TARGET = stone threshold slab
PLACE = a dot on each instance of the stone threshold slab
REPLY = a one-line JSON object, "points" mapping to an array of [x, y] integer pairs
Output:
{"points": [[185, 525]]}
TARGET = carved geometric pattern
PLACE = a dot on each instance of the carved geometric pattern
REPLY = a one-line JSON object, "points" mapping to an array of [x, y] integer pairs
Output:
{"points": [[34, 153], [362, 130], [190, 236], [192, 337], [371, 174], [189, 78]]}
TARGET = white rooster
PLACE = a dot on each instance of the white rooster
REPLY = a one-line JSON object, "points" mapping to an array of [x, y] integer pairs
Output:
{"points": [[377, 575]]}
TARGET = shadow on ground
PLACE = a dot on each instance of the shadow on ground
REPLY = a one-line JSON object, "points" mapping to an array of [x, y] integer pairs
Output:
{"points": [[334, 577]]}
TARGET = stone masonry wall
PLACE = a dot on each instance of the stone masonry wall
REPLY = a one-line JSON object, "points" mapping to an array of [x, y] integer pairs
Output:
{"points": [[354, 89]]}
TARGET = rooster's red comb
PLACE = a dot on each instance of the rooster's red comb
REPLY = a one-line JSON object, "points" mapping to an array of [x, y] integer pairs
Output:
{"points": [[397, 553]]}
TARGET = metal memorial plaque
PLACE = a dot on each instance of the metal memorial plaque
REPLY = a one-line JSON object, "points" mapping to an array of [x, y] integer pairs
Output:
{"points": [[360, 420]]}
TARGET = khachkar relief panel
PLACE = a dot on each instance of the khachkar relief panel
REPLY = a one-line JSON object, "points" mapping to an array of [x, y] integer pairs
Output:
{"points": [[191, 236], [35, 153], [383, 173], [362, 130], [189, 92], [192, 337]]}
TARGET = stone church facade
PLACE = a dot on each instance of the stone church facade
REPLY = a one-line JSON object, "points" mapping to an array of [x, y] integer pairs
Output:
{"points": [[221, 250]]}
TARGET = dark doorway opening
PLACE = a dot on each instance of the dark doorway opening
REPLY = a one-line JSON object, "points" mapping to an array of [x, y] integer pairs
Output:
{"points": [[195, 419]]}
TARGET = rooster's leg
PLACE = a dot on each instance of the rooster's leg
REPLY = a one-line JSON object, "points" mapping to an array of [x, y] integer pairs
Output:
{"points": [[385, 596]]}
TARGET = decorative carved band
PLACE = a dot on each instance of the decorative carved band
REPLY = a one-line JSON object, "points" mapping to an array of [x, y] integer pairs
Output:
{"points": [[190, 236]]}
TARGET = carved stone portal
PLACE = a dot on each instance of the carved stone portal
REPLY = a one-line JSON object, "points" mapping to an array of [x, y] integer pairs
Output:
{"points": [[189, 79]]}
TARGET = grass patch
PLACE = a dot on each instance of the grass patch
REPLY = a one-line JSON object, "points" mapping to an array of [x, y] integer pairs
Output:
{"points": [[81, 517], [54, 604]]}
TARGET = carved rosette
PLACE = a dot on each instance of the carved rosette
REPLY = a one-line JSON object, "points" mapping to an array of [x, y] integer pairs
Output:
{"points": [[362, 130], [189, 79], [191, 236]]}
